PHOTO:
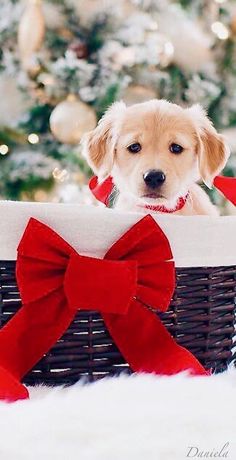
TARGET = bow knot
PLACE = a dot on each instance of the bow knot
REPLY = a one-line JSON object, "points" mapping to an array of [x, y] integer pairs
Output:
{"points": [[104, 285]]}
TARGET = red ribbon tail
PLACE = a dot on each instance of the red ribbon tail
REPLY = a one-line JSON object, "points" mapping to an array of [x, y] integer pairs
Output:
{"points": [[10, 388], [147, 345], [33, 330], [227, 186]]}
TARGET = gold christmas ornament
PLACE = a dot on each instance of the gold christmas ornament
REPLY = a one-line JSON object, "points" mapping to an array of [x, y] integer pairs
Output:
{"points": [[71, 119], [31, 32], [137, 93]]}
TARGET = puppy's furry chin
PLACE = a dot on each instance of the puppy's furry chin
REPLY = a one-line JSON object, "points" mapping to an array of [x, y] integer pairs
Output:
{"points": [[156, 202], [156, 126], [134, 201], [160, 201]]}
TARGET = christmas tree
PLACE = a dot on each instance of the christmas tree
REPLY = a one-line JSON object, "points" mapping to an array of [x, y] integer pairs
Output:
{"points": [[62, 63]]}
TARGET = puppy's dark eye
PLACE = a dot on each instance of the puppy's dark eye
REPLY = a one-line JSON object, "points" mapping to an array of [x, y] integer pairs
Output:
{"points": [[176, 148], [134, 148]]}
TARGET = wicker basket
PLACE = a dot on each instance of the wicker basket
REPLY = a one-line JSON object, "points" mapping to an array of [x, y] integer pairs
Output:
{"points": [[201, 316]]}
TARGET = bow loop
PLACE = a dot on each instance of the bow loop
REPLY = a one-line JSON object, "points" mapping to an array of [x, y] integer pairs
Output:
{"points": [[42, 243], [42, 260], [103, 285]]}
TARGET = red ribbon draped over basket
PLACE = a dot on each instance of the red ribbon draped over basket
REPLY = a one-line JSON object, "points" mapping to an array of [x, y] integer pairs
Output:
{"points": [[135, 278]]}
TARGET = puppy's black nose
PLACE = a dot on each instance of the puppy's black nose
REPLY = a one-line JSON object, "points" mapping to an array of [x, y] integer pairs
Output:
{"points": [[154, 178]]}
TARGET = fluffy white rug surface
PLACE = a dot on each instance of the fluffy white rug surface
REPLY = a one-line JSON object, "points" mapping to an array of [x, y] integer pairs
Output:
{"points": [[142, 417]]}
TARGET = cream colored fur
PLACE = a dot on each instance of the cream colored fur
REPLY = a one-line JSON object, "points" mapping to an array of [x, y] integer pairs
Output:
{"points": [[155, 125]]}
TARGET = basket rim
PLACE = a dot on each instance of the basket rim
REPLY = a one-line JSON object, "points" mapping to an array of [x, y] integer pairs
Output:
{"points": [[196, 241]]}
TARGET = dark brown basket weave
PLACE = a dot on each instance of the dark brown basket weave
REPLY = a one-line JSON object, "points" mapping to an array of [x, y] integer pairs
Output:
{"points": [[201, 317]]}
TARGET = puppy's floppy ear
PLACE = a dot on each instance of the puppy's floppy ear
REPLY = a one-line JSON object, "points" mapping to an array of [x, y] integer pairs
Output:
{"points": [[98, 146], [213, 152]]}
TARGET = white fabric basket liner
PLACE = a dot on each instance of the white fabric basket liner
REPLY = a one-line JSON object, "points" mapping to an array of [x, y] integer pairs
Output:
{"points": [[196, 241]]}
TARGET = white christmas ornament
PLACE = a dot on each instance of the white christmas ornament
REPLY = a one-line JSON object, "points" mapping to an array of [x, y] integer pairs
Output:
{"points": [[31, 32], [71, 119]]}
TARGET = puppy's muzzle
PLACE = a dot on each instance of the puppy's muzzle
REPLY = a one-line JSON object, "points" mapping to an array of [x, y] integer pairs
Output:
{"points": [[154, 178]]}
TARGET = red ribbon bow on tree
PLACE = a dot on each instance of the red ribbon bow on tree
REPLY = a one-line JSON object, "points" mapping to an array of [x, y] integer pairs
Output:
{"points": [[55, 281]]}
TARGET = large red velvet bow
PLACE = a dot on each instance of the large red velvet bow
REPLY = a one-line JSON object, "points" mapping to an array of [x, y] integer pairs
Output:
{"points": [[136, 275]]}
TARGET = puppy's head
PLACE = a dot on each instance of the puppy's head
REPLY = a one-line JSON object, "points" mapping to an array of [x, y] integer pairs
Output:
{"points": [[155, 150]]}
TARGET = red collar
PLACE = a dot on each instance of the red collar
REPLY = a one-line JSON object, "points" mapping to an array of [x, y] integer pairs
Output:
{"points": [[102, 191], [179, 205]]}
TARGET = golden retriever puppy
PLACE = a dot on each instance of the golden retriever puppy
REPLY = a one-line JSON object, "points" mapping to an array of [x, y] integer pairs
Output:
{"points": [[155, 152]]}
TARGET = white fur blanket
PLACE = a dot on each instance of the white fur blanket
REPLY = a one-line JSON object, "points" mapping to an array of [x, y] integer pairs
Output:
{"points": [[141, 417]]}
